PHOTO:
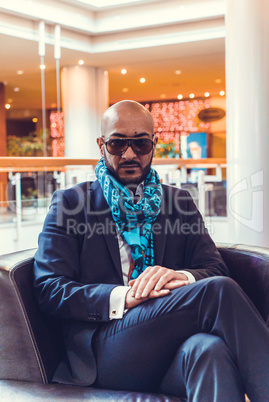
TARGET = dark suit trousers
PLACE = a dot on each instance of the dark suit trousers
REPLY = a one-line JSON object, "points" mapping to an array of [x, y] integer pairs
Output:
{"points": [[205, 341]]}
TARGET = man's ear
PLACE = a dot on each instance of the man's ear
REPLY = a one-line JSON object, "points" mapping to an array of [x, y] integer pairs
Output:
{"points": [[100, 143], [155, 141]]}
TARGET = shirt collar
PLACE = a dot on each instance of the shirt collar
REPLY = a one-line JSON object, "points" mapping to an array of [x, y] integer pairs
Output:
{"points": [[139, 191]]}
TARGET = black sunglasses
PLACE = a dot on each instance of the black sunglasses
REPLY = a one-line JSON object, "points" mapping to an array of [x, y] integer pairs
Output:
{"points": [[117, 146]]}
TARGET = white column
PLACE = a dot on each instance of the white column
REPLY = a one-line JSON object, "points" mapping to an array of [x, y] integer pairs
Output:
{"points": [[84, 98], [247, 91]]}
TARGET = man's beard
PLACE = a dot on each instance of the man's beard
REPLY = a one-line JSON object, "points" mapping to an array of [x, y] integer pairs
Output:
{"points": [[126, 180]]}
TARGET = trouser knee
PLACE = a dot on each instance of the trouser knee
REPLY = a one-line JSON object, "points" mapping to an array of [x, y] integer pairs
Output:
{"points": [[223, 282], [222, 285]]}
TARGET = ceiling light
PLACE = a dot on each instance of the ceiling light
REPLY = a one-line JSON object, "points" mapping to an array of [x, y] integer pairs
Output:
{"points": [[206, 94], [7, 106], [16, 89], [222, 93], [81, 62], [180, 96], [20, 72], [218, 81], [34, 119], [42, 66], [53, 105], [191, 96], [142, 80], [105, 3], [9, 100], [178, 72], [163, 96], [125, 89], [124, 71]]}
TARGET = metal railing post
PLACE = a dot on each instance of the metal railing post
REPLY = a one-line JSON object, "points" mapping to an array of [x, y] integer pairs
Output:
{"points": [[18, 205], [201, 192]]}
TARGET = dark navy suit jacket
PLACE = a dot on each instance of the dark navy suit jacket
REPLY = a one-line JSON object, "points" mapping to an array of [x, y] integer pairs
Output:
{"points": [[78, 264]]}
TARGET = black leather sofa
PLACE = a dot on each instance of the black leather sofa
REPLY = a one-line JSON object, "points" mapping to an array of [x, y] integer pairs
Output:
{"points": [[30, 344]]}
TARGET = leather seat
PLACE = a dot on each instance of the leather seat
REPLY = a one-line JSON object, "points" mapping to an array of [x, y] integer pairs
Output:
{"points": [[30, 344]]}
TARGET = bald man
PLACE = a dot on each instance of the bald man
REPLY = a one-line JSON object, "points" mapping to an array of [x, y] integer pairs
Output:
{"points": [[144, 298]]}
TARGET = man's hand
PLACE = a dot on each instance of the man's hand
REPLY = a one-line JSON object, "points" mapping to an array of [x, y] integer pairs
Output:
{"points": [[131, 301], [156, 279]]}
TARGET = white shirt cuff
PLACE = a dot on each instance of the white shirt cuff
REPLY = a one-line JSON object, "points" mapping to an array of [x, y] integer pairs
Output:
{"points": [[189, 276], [117, 302]]}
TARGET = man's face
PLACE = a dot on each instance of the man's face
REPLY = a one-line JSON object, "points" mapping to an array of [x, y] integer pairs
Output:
{"points": [[128, 168]]}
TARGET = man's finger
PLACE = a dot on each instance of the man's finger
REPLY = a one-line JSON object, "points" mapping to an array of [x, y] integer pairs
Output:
{"points": [[176, 284], [164, 279], [158, 293], [134, 283], [148, 283]]}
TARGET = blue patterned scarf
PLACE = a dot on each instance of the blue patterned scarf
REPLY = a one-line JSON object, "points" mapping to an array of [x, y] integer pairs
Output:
{"points": [[133, 221]]}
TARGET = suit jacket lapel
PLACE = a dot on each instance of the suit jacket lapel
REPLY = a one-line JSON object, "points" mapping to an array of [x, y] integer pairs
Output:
{"points": [[103, 214]]}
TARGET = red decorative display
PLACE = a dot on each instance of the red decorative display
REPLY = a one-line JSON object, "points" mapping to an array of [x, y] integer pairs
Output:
{"points": [[57, 133], [175, 118]]}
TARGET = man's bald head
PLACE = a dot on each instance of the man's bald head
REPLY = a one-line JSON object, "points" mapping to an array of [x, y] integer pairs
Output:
{"points": [[127, 120], [121, 110]]}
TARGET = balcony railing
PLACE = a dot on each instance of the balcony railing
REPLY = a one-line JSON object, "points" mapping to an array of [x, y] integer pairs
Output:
{"points": [[21, 163], [198, 176]]}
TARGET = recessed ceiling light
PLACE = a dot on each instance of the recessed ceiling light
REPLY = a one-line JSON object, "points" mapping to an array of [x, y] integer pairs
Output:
{"points": [[178, 72], [20, 72], [34, 119], [7, 106], [218, 81], [16, 89], [191, 96], [125, 89], [180, 96], [124, 71], [222, 93], [206, 94], [42, 66], [142, 80], [163, 96], [9, 100], [105, 3], [81, 62], [53, 105]]}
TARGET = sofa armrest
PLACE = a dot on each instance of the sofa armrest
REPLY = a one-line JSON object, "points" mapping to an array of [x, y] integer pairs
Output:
{"points": [[27, 339], [249, 267]]}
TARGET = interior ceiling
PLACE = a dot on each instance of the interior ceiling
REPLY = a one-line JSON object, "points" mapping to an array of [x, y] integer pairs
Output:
{"points": [[201, 63], [106, 4]]}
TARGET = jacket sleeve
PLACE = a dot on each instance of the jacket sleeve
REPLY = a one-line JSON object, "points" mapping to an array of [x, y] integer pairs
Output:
{"points": [[57, 268], [202, 258]]}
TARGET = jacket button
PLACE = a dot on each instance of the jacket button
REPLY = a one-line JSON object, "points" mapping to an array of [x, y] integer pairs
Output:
{"points": [[94, 316]]}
